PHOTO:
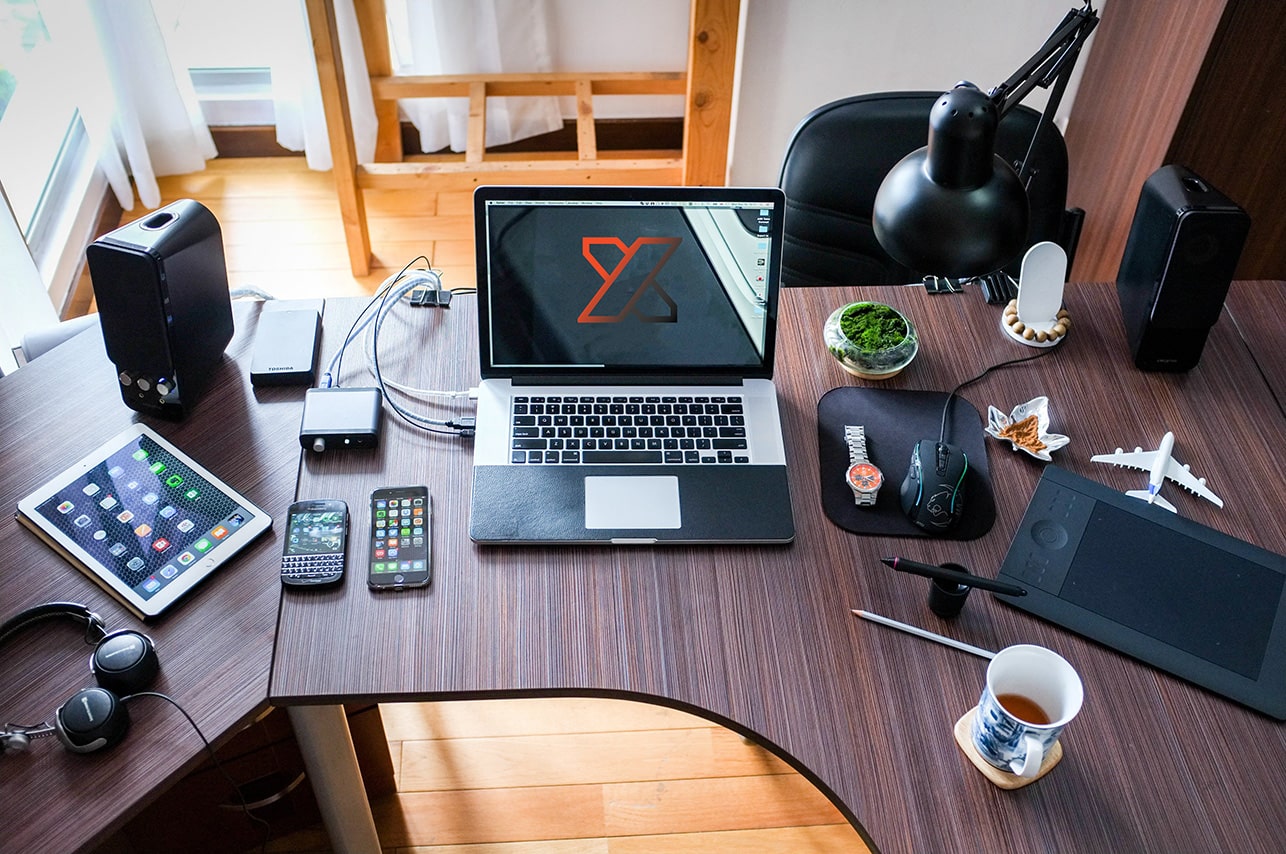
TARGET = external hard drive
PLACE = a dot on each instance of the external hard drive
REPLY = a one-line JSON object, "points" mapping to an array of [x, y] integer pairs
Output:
{"points": [[285, 348]]}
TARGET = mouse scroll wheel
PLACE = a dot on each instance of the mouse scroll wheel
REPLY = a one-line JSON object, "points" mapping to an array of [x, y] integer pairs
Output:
{"points": [[943, 455]]}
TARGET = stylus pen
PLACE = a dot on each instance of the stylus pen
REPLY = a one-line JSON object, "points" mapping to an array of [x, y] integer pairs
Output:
{"points": [[926, 634], [937, 573]]}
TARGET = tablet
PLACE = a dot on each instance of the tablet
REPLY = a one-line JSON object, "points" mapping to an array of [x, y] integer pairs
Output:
{"points": [[142, 519], [1181, 596]]}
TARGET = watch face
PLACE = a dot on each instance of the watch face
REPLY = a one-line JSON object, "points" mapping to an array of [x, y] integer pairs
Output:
{"points": [[864, 477]]}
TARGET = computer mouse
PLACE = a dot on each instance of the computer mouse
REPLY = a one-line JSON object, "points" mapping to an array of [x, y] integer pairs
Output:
{"points": [[933, 491]]}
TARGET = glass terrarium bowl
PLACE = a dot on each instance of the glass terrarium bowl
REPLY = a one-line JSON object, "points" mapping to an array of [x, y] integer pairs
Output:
{"points": [[882, 355]]}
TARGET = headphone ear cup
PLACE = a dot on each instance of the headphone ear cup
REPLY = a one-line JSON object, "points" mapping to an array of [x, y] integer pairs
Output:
{"points": [[125, 662], [92, 719]]}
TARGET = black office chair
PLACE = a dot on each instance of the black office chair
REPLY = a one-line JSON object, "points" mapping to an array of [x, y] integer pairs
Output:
{"points": [[841, 152]]}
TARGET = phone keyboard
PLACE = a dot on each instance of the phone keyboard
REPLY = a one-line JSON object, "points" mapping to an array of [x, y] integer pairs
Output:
{"points": [[311, 567]]}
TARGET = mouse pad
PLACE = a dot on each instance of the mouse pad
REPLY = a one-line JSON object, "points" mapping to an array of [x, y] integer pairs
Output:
{"points": [[895, 420]]}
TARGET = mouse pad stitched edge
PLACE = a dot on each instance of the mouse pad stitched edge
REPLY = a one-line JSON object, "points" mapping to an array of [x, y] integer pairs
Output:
{"points": [[895, 420]]}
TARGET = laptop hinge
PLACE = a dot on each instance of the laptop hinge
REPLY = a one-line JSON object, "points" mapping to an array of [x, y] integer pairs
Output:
{"points": [[616, 380]]}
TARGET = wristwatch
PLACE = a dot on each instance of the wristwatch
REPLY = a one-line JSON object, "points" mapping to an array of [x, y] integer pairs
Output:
{"points": [[863, 477]]}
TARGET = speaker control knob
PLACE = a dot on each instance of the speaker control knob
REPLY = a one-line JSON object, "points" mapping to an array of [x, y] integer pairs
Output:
{"points": [[162, 388], [125, 378], [143, 384]]}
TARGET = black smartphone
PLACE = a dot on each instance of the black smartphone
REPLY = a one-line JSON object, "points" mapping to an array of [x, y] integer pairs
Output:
{"points": [[400, 522], [316, 538]]}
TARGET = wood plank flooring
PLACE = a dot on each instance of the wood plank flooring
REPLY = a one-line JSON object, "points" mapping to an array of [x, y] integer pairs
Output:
{"points": [[531, 776]]}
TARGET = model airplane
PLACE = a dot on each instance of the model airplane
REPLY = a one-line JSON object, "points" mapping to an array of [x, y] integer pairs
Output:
{"points": [[1160, 465]]}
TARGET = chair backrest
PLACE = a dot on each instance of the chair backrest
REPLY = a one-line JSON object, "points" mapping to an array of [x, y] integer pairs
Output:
{"points": [[841, 152]]}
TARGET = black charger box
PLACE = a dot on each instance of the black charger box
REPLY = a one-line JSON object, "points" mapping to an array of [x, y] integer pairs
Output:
{"points": [[341, 418]]}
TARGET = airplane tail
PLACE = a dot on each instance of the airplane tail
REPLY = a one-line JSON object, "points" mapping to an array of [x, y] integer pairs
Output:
{"points": [[1152, 499]]}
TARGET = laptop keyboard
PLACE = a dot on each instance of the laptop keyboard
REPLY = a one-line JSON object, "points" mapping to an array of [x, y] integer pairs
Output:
{"points": [[629, 429]]}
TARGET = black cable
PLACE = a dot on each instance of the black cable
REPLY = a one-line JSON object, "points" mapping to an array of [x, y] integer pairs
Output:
{"points": [[946, 407], [245, 808]]}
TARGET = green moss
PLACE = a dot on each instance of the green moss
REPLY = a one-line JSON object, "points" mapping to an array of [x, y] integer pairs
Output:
{"points": [[872, 327]]}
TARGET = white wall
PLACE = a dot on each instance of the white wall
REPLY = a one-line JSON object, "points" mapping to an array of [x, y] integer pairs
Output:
{"points": [[800, 54], [620, 35]]}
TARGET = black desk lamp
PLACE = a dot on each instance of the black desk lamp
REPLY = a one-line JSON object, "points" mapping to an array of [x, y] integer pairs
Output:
{"points": [[954, 208]]}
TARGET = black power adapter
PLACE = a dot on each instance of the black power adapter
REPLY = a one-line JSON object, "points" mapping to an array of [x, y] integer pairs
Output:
{"points": [[341, 418]]}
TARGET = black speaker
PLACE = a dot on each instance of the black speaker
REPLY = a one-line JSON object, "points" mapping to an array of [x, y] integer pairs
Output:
{"points": [[161, 284], [1180, 258]]}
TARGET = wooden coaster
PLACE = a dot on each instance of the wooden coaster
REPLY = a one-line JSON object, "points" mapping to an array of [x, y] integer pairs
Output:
{"points": [[1002, 779]]}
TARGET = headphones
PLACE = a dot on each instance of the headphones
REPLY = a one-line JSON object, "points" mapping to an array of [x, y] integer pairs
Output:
{"points": [[123, 662]]}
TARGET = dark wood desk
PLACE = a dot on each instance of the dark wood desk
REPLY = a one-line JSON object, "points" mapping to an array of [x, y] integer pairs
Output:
{"points": [[215, 647], [761, 638]]}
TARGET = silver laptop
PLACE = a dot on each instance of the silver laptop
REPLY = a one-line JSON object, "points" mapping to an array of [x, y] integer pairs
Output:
{"points": [[627, 354]]}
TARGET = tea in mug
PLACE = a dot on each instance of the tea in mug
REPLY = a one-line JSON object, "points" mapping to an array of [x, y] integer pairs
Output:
{"points": [[1024, 709]]}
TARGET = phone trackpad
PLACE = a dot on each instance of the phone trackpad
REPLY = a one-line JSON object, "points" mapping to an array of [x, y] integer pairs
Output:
{"points": [[632, 502]]}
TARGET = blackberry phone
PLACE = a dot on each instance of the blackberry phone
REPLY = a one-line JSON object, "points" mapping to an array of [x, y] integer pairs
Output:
{"points": [[316, 537], [399, 548]]}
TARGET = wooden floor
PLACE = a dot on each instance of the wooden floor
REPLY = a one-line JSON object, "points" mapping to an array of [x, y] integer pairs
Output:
{"points": [[556, 776]]}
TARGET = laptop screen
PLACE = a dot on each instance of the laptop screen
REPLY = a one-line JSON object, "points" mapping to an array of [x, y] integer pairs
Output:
{"points": [[615, 282]]}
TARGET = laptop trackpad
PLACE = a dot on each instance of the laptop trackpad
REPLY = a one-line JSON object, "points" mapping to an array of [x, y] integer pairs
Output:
{"points": [[632, 502]]}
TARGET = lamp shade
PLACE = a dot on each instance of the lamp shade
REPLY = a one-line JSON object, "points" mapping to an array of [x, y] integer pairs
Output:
{"points": [[953, 208]]}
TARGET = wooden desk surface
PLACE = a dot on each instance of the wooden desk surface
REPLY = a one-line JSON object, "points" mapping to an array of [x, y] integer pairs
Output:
{"points": [[762, 639], [215, 647]]}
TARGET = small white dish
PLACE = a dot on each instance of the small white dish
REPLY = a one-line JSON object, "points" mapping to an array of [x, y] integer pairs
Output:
{"points": [[998, 421]]}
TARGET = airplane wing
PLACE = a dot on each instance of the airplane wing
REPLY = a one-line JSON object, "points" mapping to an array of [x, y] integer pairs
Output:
{"points": [[1138, 460], [1185, 478]]}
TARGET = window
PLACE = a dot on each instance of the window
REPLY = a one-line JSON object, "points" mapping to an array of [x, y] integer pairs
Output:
{"points": [[36, 108]]}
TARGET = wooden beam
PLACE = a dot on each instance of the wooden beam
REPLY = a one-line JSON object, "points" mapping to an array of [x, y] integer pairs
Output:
{"points": [[372, 22], [586, 140], [712, 68], [530, 85], [339, 128], [476, 144], [442, 176]]}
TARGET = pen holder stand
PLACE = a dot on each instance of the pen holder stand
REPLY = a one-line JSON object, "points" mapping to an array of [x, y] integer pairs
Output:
{"points": [[946, 599]]}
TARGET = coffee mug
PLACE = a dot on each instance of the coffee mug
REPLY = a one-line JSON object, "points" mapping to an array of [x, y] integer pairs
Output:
{"points": [[1030, 695]]}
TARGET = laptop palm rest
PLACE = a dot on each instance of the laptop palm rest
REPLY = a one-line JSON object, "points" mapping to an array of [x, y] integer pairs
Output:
{"points": [[632, 502], [695, 504]]}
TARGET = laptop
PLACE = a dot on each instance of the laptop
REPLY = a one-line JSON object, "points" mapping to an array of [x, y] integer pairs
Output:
{"points": [[626, 340]]}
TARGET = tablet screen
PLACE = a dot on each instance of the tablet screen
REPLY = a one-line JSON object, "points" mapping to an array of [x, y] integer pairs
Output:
{"points": [[144, 518], [1220, 607]]}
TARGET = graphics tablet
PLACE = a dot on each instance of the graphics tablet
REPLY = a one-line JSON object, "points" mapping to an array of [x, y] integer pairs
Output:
{"points": [[1186, 598], [142, 519]]}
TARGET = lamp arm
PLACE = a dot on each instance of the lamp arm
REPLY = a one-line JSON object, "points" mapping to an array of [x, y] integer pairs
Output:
{"points": [[1055, 59], [1051, 64]]}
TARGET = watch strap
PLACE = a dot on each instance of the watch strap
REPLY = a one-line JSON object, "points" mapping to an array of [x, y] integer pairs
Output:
{"points": [[855, 436]]}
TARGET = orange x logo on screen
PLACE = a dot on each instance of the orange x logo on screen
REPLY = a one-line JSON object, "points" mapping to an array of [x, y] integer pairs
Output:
{"points": [[649, 283]]}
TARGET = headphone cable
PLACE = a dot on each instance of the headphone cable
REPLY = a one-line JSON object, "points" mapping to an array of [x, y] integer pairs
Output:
{"points": [[214, 758]]}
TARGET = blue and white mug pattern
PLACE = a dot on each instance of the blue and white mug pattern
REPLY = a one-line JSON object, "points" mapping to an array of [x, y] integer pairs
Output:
{"points": [[1043, 676]]}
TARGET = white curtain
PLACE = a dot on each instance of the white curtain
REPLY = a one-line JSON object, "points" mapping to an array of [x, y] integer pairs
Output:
{"points": [[296, 94], [142, 118], [473, 37], [426, 37]]}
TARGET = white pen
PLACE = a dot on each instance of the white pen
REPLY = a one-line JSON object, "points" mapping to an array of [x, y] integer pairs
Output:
{"points": [[924, 633]]}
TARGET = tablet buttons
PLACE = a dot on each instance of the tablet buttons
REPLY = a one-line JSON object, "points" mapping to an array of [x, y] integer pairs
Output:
{"points": [[1049, 534]]}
